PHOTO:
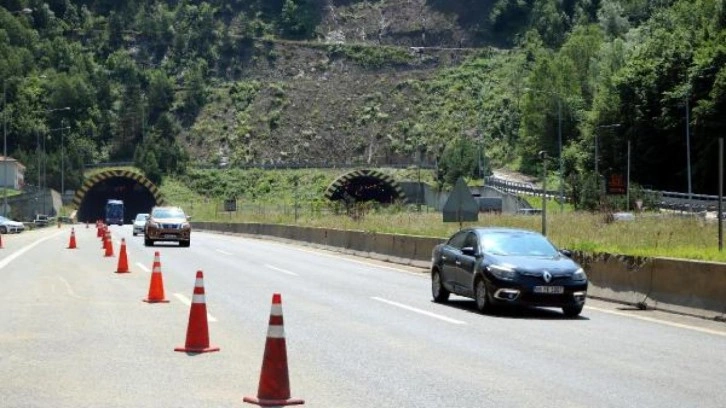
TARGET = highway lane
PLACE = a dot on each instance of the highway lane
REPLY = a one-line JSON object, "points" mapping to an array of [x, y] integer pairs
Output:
{"points": [[359, 334]]}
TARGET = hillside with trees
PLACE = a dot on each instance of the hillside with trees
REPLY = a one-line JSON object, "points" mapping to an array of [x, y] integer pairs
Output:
{"points": [[465, 84]]}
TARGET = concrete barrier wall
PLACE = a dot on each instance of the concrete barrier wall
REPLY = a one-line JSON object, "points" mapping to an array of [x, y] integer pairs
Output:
{"points": [[681, 286]]}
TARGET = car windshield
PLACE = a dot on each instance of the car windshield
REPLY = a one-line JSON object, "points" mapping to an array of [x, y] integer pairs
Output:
{"points": [[518, 244], [169, 213], [142, 217]]}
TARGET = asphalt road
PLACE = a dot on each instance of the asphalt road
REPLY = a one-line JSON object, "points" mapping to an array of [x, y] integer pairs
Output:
{"points": [[359, 333]]}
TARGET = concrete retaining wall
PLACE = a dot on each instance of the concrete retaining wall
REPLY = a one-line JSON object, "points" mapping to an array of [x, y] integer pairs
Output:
{"points": [[681, 286]]}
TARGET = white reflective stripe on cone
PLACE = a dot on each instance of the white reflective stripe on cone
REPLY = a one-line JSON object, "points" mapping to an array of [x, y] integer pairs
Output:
{"points": [[276, 310], [199, 283], [198, 298], [276, 332]]}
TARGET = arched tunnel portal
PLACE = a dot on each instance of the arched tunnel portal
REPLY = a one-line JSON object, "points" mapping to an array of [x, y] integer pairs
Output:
{"points": [[365, 185], [138, 193]]}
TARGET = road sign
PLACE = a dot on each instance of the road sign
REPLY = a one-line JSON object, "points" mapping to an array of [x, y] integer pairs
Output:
{"points": [[461, 206]]}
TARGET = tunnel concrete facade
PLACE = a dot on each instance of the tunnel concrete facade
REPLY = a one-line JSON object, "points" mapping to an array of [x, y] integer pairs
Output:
{"points": [[365, 185], [138, 193]]}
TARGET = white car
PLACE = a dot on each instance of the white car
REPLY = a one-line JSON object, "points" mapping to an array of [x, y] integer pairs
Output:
{"points": [[9, 226], [139, 223]]}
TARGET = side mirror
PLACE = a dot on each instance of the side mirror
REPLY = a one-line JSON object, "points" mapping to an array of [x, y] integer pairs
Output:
{"points": [[189, 217], [470, 251], [566, 252]]}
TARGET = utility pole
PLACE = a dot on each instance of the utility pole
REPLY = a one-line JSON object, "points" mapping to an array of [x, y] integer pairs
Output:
{"points": [[559, 142], [543, 156], [688, 150], [5, 149], [720, 194]]}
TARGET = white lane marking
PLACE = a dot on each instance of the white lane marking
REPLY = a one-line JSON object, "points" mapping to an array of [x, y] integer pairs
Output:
{"points": [[223, 252], [71, 292], [423, 312], [369, 264], [324, 252], [5, 262], [188, 302], [281, 270], [663, 322], [143, 267]]}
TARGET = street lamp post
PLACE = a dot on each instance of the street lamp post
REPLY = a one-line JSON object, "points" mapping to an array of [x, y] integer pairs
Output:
{"points": [[559, 142], [5, 149], [42, 182], [543, 156], [597, 157]]}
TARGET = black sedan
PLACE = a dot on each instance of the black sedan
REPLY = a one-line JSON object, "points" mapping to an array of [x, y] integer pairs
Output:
{"points": [[507, 266]]}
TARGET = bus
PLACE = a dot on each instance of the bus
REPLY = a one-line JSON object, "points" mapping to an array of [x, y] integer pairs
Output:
{"points": [[115, 212]]}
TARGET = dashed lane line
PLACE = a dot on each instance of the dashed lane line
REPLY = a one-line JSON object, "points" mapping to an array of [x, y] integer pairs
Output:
{"points": [[223, 252], [423, 312], [281, 270], [143, 267], [663, 322], [188, 302]]}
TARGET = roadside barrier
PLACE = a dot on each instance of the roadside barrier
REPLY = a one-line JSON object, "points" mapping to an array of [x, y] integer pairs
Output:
{"points": [[109, 245], [123, 263], [198, 331], [274, 387], [156, 285], [72, 241]]}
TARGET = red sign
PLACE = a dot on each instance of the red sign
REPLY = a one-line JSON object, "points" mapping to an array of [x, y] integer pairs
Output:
{"points": [[616, 184]]}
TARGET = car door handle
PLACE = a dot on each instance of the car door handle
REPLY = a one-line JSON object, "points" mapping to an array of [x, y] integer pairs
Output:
{"points": [[458, 262]]}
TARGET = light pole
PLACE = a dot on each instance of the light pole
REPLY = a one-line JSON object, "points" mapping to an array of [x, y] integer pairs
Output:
{"points": [[41, 182], [597, 157], [688, 148], [559, 141], [5, 149], [543, 156]]}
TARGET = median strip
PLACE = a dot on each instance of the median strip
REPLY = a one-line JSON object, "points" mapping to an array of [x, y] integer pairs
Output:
{"points": [[423, 312]]}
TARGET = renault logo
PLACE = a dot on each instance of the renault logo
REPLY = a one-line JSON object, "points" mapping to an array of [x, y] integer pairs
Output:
{"points": [[546, 276]]}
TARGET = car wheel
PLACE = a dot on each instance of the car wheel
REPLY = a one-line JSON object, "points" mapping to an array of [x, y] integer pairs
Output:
{"points": [[184, 243], [148, 242], [572, 311], [481, 296], [438, 290], [134, 234], [3, 230]]}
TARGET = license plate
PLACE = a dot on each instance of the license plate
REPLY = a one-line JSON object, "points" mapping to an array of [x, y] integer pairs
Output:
{"points": [[169, 235], [553, 290]]}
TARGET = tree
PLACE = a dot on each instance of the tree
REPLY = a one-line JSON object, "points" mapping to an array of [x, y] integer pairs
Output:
{"points": [[459, 159]]}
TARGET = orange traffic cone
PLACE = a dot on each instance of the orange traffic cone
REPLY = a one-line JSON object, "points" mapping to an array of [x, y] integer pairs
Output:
{"points": [[123, 263], [1, 241], [198, 331], [109, 245], [99, 232], [72, 242], [156, 286], [274, 388]]}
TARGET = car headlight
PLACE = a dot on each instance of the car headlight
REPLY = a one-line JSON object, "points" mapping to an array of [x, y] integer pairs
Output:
{"points": [[579, 275], [503, 272], [186, 225]]}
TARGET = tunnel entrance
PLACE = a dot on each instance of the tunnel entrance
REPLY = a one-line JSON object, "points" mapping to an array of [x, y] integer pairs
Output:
{"points": [[365, 185], [138, 193]]}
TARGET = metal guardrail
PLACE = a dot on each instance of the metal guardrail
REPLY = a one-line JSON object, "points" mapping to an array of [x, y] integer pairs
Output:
{"points": [[667, 200]]}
